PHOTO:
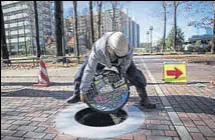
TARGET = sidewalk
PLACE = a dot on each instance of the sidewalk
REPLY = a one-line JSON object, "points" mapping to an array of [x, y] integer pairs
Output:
{"points": [[28, 112]]}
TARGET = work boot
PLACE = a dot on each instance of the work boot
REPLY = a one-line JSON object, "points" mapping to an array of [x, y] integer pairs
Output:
{"points": [[73, 99], [146, 103]]}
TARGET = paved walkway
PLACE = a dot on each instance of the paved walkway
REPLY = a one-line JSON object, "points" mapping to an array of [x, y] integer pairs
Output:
{"points": [[184, 111]]}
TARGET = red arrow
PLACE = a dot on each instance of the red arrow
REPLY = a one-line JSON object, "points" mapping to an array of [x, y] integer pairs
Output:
{"points": [[177, 73]]}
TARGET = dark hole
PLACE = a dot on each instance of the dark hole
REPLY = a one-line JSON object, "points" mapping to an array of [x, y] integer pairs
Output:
{"points": [[93, 118]]}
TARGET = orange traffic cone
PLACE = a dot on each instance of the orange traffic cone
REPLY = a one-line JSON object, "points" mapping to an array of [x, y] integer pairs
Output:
{"points": [[43, 79]]}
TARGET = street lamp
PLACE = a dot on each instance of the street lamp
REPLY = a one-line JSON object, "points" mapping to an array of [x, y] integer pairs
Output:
{"points": [[147, 38], [151, 28]]}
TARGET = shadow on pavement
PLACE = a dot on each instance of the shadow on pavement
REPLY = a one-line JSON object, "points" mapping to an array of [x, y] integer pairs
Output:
{"points": [[32, 83], [162, 83], [38, 93], [180, 103], [185, 103]]}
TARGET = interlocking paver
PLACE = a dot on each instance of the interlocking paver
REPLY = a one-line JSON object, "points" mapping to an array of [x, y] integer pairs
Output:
{"points": [[20, 133], [34, 135], [65, 137], [40, 129], [197, 136], [13, 127], [158, 132], [39, 106], [159, 127], [206, 131], [49, 136], [27, 128], [125, 137], [7, 132], [20, 122], [158, 138], [12, 138], [5, 126], [170, 133], [139, 137], [192, 129]]}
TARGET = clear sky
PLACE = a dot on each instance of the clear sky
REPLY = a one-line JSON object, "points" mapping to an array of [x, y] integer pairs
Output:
{"points": [[150, 13]]}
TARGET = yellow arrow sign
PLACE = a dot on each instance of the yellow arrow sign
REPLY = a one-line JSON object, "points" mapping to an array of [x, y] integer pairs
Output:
{"points": [[175, 72]]}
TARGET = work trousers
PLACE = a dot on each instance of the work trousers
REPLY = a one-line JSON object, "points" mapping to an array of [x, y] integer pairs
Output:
{"points": [[134, 75]]}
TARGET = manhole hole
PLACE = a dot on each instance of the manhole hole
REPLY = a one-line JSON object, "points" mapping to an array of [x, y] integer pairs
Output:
{"points": [[93, 118], [79, 120]]}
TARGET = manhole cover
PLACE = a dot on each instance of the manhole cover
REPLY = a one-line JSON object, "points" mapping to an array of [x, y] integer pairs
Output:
{"points": [[90, 117], [108, 93]]}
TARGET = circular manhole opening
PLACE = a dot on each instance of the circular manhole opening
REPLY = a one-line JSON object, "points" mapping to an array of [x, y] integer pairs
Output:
{"points": [[93, 118]]}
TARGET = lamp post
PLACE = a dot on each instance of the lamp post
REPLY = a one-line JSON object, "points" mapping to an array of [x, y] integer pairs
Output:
{"points": [[147, 38], [151, 28]]}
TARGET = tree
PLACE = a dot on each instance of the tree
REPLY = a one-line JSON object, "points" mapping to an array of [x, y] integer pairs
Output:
{"points": [[206, 16], [37, 29], [99, 5], [115, 5], [175, 5], [31, 19], [58, 27], [26, 52], [179, 40], [75, 23], [91, 22], [4, 50], [164, 33]]}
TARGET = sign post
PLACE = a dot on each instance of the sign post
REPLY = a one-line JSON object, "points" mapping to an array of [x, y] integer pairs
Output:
{"points": [[175, 72]]}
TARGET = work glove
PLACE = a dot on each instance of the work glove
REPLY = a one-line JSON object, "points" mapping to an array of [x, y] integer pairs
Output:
{"points": [[83, 97]]}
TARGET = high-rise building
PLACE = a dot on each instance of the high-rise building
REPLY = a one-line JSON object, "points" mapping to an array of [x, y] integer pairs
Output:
{"points": [[123, 23], [138, 36], [19, 19]]}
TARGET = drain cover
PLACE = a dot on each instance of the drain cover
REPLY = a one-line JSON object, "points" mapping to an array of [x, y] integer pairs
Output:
{"points": [[108, 92]]}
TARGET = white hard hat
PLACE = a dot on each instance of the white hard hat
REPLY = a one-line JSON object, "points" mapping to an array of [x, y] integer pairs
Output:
{"points": [[118, 43]]}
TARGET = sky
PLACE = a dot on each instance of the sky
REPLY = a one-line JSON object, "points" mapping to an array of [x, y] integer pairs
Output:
{"points": [[150, 13]]}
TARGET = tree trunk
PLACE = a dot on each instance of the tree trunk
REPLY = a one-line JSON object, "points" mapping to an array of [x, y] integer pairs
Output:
{"points": [[213, 39], [91, 22], [58, 27], [114, 19], [9, 36], [175, 27], [37, 29], [164, 33], [63, 32], [75, 21], [17, 36], [26, 52], [4, 50], [99, 19]]}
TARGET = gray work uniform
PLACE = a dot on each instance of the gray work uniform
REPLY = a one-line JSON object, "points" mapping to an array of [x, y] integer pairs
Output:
{"points": [[99, 58]]}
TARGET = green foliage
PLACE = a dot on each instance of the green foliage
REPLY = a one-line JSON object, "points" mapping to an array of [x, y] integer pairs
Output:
{"points": [[179, 40], [160, 44], [198, 43]]}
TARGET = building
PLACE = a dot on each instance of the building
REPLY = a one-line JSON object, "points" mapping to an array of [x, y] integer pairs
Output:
{"points": [[195, 41], [19, 22], [123, 23]]}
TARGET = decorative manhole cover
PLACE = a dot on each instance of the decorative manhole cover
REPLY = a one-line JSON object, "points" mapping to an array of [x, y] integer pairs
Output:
{"points": [[108, 92]]}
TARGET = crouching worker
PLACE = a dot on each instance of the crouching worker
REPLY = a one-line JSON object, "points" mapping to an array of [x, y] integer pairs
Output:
{"points": [[112, 49]]}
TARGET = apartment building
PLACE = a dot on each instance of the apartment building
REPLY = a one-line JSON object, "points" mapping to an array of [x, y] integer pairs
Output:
{"points": [[123, 23], [19, 20]]}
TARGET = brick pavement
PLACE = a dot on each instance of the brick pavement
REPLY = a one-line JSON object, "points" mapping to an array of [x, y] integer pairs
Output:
{"points": [[29, 113], [194, 106]]}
